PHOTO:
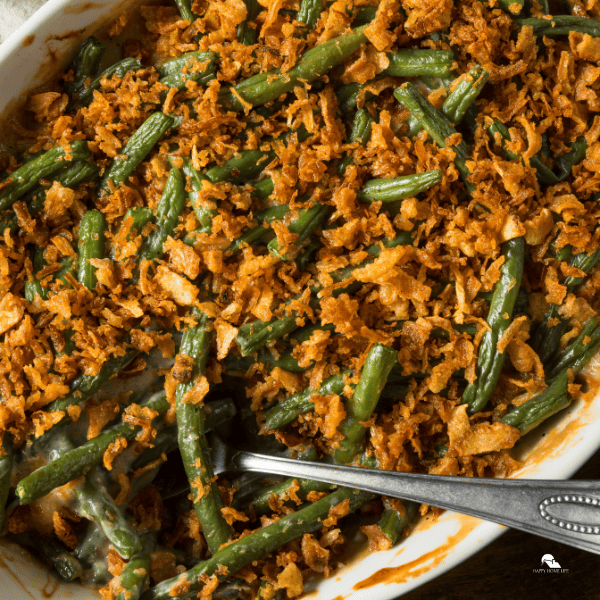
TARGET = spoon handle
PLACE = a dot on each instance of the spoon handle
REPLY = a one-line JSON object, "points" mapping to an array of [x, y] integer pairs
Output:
{"points": [[564, 511]]}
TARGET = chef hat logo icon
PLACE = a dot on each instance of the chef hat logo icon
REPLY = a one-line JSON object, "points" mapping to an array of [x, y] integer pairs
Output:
{"points": [[549, 561]]}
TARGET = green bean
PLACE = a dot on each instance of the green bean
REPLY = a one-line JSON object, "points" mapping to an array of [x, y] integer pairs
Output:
{"points": [[86, 65], [259, 495], [560, 25], [393, 522], [304, 225], [169, 208], [304, 258], [413, 62], [196, 179], [6, 465], [397, 188], [531, 413], [134, 221], [364, 15], [289, 409], [568, 160], [360, 134], [70, 176], [136, 573], [27, 176], [576, 355], [436, 123], [137, 148], [348, 94], [244, 551], [464, 94], [263, 188], [309, 13], [255, 335], [544, 174], [256, 234], [177, 71], [195, 343], [267, 86], [90, 554], [267, 591], [33, 286], [512, 7], [284, 359], [97, 504], [91, 245], [360, 407], [489, 360], [185, 9], [76, 462], [245, 34], [84, 386], [119, 69], [246, 165], [546, 338], [54, 553]]}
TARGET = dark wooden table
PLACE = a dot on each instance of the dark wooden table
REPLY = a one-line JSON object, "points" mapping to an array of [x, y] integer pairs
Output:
{"points": [[504, 569]]}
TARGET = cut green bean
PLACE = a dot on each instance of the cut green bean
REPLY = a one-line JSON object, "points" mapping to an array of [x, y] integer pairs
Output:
{"points": [[560, 25], [195, 343], [577, 354], [398, 188], [134, 221], [258, 233], [287, 410], [169, 208], [92, 241], [137, 148], [267, 591], [86, 65], [193, 66], [257, 544], [27, 176], [185, 10], [547, 335], [413, 62], [136, 572], [84, 386], [304, 225], [534, 411], [246, 165], [394, 522], [119, 70], [512, 7], [309, 13], [267, 86], [360, 134], [255, 335], [360, 407], [76, 462], [260, 495], [489, 360], [196, 183], [54, 554], [97, 504], [464, 94], [436, 123], [246, 34]]}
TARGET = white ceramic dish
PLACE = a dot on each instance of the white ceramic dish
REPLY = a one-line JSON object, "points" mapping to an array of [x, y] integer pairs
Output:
{"points": [[28, 58]]}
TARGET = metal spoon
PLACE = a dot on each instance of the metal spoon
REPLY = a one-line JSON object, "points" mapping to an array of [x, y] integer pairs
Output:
{"points": [[564, 511]]}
